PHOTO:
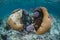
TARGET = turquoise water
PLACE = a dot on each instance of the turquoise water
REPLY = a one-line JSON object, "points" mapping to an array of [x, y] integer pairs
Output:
{"points": [[53, 6], [7, 6]]}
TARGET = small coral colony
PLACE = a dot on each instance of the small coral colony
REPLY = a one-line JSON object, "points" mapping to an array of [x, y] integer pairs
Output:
{"points": [[38, 21]]}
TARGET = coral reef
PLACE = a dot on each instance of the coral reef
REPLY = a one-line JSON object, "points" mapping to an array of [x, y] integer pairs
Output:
{"points": [[52, 34]]}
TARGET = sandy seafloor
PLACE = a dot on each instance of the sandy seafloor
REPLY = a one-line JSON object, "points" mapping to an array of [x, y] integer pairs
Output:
{"points": [[7, 6]]}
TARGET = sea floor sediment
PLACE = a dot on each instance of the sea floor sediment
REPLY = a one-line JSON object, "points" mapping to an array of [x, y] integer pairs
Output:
{"points": [[10, 34]]}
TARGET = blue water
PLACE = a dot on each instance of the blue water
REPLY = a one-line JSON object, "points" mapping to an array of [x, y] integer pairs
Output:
{"points": [[7, 6], [53, 6]]}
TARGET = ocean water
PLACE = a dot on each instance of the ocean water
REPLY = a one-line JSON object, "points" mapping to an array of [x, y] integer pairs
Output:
{"points": [[53, 6]]}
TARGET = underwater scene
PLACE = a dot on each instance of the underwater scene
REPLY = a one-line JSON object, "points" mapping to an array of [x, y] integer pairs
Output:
{"points": [[29, 19]]}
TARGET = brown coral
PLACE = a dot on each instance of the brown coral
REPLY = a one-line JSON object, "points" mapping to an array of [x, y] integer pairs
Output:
{"points": [[42, 23]]}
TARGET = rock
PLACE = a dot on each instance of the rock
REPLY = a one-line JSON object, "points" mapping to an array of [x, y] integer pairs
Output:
{"points": [[26, 19], [25, 12], [35, 14], [7, 27], [4, 37], [30, 28]]}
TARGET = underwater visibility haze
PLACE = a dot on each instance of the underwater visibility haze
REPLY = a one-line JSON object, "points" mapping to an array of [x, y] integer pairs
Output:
{"points": [[6, 8]]}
